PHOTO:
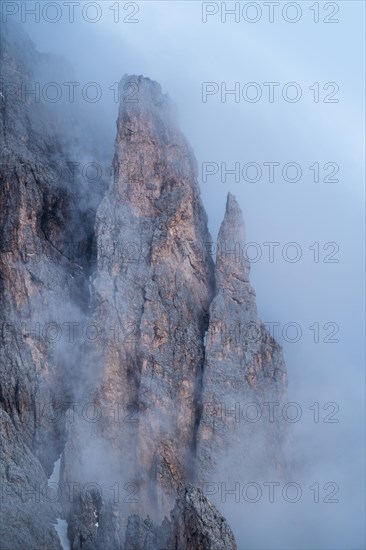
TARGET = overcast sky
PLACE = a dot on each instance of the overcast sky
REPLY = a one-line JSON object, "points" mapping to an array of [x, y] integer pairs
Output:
{"points": [[170, 43]]}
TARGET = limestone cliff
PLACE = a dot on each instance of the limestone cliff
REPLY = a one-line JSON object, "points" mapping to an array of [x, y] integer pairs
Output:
{"points": [[163, 357]]}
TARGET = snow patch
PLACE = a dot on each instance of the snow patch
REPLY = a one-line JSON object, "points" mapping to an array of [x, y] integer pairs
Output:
{"points": [[61, 529], [61, 525]]}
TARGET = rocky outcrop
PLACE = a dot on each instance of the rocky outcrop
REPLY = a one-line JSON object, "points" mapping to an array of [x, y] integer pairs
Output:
{"points": [[194, 523], [30, 283], [43, 285], [152, 288], [27, 516], [244, 370], [161, 356]]}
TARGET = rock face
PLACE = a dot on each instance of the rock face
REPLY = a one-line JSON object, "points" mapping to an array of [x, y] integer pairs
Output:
{"points": [[38, 279], [133, 406], [154, 285], [244, 369], [194, 523]]}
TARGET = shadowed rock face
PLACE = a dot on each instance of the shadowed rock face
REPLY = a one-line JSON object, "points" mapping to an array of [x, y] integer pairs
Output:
{"points": [[155, 293], [38, 279]]}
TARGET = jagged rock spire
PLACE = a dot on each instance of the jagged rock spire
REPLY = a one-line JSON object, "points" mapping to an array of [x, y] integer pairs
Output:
{"points": [[154, 282], [242, 364], [232, 266]]}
